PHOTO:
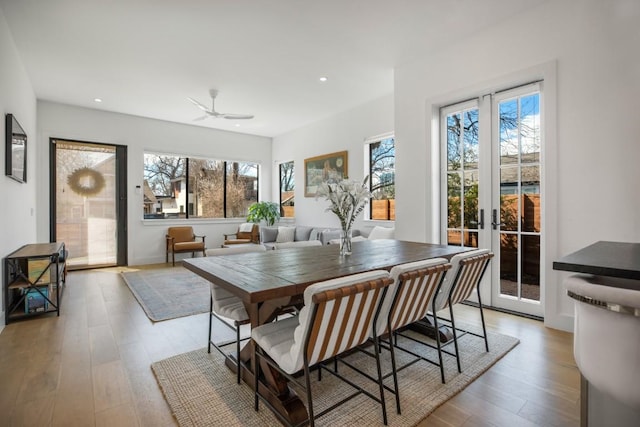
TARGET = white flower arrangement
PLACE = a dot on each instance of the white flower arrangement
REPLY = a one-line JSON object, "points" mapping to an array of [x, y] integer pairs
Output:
{"points": [[348, 199]]}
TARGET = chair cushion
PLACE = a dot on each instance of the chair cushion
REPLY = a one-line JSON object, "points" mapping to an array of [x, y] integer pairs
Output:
{"points": [[285, 234], [381, 233], [277, 339], [237, 241], [228, 305], [188, 246]]}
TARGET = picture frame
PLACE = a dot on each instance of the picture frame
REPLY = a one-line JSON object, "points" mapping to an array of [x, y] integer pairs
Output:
{"points": [[331, 167], [16, 150]]}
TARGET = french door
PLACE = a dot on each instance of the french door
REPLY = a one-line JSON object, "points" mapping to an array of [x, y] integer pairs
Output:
{"points": [[491, 187], [88, 202]]}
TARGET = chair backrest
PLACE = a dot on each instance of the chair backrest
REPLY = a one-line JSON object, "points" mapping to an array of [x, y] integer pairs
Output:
{"points": [[464, 277], [219, 294], [338, 315], [249, 230], [409, 297], [181, 234]]}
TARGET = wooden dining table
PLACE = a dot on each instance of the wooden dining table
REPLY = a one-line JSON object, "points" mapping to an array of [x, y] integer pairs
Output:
{"points": [[267, 282]]}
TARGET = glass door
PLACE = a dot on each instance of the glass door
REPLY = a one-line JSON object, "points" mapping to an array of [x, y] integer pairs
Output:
{"points": [[89, 202], [516, 208], [491, 191]]}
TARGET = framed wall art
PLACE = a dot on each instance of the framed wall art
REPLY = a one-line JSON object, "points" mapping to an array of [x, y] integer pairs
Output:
{"points": [[326, 168], [16, 150]]}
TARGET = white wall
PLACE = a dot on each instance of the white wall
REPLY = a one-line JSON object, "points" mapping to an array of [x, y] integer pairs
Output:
{"points": [[595, 47], [146, 238], [344, 131], [17, 98]]}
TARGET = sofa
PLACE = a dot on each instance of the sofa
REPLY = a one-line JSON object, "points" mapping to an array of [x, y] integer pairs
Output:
{"points": [[270, 236], [376, 232]]}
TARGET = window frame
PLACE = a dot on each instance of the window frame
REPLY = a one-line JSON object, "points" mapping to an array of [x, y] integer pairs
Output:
{"points": [[368, 142], [186, 187]]}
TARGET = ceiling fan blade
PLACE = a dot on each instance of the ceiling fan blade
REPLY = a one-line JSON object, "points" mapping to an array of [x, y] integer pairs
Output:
{"points": [[199, 105], [236, 116]]}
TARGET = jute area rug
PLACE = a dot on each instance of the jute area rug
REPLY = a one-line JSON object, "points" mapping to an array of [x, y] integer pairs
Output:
{"points": [[202, 391], [168, 293]]}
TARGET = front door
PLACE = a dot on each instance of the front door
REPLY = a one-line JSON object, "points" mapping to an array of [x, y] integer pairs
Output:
{"points": [[88, 209], [491, 191]]}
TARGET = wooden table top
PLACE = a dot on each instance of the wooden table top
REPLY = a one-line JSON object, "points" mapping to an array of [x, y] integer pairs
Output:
{"points": [[612, 259], [261, 276], [35, 250]]}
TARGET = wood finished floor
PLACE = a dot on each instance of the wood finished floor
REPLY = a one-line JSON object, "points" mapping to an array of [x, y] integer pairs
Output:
{"points": [[90, 366]]}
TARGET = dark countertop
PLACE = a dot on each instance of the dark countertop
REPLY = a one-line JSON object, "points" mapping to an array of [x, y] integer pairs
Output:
{"points": [[613, 259]]}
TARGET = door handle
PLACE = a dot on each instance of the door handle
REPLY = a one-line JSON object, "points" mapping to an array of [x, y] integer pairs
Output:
{"points": [[494, 220], [481, 223]]}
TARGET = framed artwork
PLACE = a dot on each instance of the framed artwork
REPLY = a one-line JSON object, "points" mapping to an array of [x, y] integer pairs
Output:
{"points": [[16, 150], [327, 168]]}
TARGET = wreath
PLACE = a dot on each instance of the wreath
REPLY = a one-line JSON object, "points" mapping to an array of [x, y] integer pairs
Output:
{"points": [[86, 181]]}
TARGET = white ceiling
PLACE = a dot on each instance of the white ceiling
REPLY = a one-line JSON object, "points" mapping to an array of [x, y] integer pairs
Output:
{"points": [[145, 57]]}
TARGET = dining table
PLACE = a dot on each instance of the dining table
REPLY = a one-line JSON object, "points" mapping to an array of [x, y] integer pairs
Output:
{"points": [[272, 281]]}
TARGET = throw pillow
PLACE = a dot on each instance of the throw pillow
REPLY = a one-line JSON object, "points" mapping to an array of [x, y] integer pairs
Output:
{"points": [[285, 234]]}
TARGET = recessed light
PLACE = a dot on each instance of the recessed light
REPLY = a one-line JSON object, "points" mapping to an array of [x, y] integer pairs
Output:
{"points": [[237, 125], [323, 79], [98, 100]]}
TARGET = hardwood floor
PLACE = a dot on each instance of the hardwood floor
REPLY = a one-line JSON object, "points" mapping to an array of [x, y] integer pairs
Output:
{"points": [[90, 366]]}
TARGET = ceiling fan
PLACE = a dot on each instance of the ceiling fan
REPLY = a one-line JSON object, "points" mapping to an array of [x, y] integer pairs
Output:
{"points": [[211, 112]]}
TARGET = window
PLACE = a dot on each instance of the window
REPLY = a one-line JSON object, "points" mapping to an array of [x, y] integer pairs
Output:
{"points": [[185, 187], [287, 186], [381, 152]]}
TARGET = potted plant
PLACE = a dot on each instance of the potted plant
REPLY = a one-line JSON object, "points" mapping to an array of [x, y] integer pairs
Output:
{"points": [[267, 211]]}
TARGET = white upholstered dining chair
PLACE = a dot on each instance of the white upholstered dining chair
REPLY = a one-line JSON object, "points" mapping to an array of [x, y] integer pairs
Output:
{"points": [[224, 304], [338, 315]]}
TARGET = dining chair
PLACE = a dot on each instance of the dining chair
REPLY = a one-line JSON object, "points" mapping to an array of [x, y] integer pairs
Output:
{"points": [[183, 239], [223, 304], [408, 299], [338, 315], [467, 270]]}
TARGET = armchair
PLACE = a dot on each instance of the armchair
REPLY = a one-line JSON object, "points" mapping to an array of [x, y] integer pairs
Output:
{"points": [[182, 239], [247, 233]]}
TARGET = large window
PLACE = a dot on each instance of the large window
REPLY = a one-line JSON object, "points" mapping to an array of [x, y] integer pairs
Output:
{"points": [[186, 187], [382, 180], [287, 186]]}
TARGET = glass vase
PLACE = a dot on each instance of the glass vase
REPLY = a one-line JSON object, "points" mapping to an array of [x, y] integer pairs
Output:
{"points": [[345, 242]]}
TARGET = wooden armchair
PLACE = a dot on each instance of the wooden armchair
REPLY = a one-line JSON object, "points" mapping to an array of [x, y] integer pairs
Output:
{"points": [[247, 233], [182, 239]]}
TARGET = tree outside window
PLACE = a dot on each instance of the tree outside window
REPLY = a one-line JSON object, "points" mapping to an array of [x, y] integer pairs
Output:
{"points": [[287, 187], [382, 163]]}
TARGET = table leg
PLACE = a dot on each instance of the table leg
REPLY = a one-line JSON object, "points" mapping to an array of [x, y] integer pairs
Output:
{"points": [[426, 327]]}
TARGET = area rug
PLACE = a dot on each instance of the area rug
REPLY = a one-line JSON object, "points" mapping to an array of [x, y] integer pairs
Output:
{"points": [[202, 391], [168, 293]]}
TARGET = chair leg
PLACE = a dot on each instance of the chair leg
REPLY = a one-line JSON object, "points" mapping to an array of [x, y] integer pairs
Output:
{"points": [[382, 401], [238, 351], [484, 328], [439, 345], [455, 338], [394, 371], [256, 375], [210, 323], [309, 398], [173, 258]]}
